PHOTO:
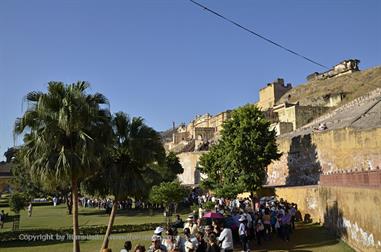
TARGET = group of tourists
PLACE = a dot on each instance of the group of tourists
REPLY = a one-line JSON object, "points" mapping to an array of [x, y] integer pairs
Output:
{"points": [[123, 204], [238, 226]]}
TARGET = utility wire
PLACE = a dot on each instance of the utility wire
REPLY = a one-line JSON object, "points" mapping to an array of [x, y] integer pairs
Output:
{"points": [[258, 35], [271, 41]]}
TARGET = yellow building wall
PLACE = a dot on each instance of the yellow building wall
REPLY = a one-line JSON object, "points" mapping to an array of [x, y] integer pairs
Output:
{"points": [[266, 97], [352, 212]]}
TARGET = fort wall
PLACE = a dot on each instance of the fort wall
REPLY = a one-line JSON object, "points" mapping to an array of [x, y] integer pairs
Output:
{"points": [[352, 213], [189, 161], [269, 95], [305, 157]]}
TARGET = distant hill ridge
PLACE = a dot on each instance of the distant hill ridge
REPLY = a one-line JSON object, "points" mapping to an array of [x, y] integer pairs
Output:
{"points": [[351, 86], [317, 92]]}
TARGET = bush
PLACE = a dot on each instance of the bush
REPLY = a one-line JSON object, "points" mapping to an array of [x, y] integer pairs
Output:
{"points": [[17, 202], [48, 203]]}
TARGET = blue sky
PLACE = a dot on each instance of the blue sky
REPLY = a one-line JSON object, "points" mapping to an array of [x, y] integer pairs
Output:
{"points": [[168, 60]]}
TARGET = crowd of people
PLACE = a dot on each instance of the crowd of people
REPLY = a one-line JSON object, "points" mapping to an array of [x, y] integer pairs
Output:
{"points": [[237, 226], [124, 204]]}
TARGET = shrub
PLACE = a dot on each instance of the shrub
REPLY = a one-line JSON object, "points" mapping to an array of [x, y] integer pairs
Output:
{"points": [[17, 202]]}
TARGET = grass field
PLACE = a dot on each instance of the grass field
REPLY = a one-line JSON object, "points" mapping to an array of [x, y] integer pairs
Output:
{"points": [[307, 237], [57, 217]]}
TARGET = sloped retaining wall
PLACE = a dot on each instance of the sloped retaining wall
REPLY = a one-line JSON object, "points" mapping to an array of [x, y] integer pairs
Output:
{"points": [[353, 213]]}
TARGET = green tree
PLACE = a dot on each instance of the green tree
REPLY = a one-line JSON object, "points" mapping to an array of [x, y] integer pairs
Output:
{"points": [[168, 193], [136, 148], [65, 134], [170, 169], [238, 162], [21, 180]]}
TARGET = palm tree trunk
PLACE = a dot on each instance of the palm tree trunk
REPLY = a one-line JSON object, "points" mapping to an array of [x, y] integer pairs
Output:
{"points": [[109, 226], [74, 188]]}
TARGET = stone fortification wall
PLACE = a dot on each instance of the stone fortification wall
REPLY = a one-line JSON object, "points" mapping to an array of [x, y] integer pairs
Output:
{"points": [[269, 95], [305, 157], [189, 161], [350, 106], [352, 213]]}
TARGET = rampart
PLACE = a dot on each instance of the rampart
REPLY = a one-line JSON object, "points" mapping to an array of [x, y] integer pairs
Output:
{"points": [[352, 213], [305, 157]]}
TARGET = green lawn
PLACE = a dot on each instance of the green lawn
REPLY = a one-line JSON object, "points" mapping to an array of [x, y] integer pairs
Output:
{"points": [[57, 217], [307, 237]]}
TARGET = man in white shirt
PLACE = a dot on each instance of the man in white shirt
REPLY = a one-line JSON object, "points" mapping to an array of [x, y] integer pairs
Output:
{"points": [[226, 240], [243, 233]]}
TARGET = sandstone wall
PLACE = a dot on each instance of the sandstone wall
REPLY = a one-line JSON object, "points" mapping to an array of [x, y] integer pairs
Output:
{"points": [[266, 97], [189, 161], [342, 150], [305, 114], [349, 150], [353, 213]]}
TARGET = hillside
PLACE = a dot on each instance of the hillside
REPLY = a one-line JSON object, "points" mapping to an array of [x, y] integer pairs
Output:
{"points": [[350, 86]]}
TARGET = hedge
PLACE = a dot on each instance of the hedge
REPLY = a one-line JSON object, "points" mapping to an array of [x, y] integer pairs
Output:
{"points": [[47, 203], [9, 236]]}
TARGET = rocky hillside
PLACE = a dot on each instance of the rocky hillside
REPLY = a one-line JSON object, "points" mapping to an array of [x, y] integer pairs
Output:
{"points": [[350, 86]]}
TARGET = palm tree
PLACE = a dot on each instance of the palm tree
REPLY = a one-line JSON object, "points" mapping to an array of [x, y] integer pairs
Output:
{"points": [[136, 149], [65, 133]]}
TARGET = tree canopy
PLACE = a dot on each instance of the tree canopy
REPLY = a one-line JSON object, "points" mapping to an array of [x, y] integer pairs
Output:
{"points": [[66, 131], [238, 161], [128, 167], [168, 192]]}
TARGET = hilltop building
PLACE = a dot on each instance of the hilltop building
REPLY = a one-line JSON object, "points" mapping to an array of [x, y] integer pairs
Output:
{"points": [[344, 67], [198, 133]]}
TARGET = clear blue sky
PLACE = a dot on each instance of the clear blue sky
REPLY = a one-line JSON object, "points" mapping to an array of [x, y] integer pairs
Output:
{"points": [[168, 60]]}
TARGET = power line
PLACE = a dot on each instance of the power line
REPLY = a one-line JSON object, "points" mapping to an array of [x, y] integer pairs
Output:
{"points": [[271, 41], [258, 35]]}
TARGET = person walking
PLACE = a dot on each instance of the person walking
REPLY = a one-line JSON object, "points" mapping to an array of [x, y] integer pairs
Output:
{"points": [[2, 219], [226, 239], [243, 233], [286, 225], [30, 208], [55, 200]]}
